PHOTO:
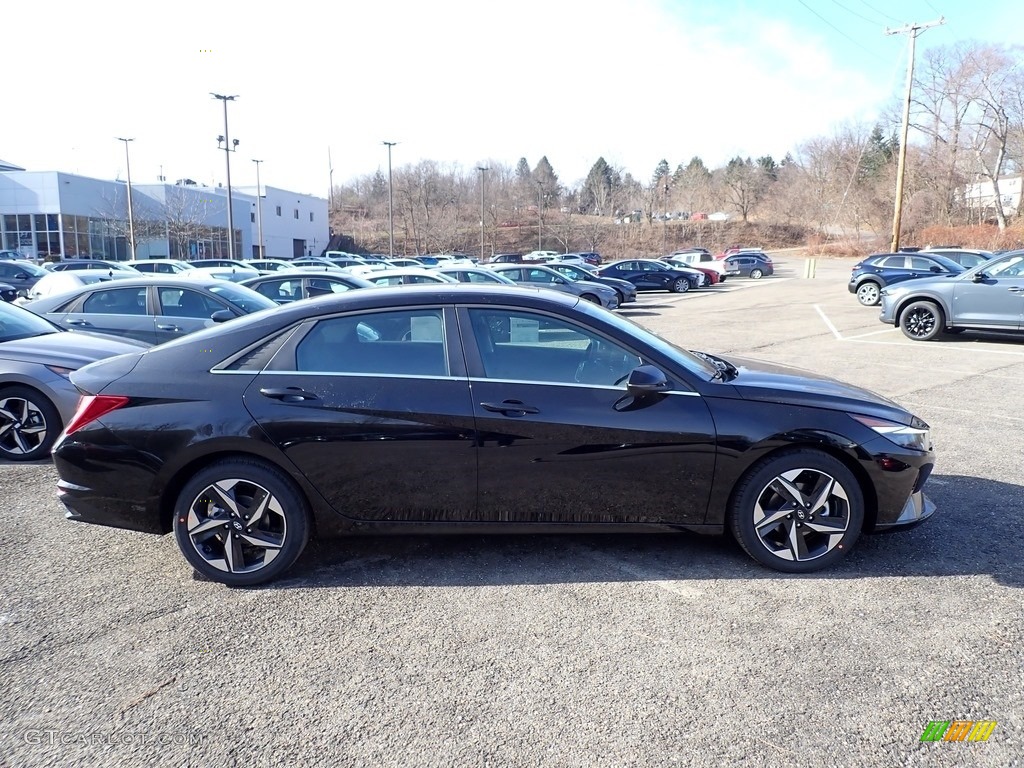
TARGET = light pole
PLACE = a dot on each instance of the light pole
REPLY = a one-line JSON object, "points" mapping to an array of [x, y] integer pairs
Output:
{"points": [[259, 209], [229, 147], [391, 202], [483, 169], [131, 212]]}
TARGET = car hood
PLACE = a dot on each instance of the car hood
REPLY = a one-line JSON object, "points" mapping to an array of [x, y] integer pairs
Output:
{"points": [[68, 349], [760, 380]]}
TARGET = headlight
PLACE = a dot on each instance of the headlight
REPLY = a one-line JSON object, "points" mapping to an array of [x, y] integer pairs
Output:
{"points": [[916, 436], [65, 372]]}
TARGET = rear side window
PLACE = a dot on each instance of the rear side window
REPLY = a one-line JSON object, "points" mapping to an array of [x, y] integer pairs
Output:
{"points": [[402, 343], [116, 301]]}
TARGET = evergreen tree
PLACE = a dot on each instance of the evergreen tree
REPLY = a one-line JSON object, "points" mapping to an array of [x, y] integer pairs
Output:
{"points": [[522, 170], [660, 172]]}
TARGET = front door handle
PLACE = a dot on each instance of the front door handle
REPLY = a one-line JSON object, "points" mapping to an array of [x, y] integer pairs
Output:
{"points": [[168, 328], [79, 322], [1015, 289], [510, 408], [287, 394]]}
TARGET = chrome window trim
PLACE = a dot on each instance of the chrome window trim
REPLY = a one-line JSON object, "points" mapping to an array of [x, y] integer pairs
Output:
{"points": [[576, 385], [347, 375]]}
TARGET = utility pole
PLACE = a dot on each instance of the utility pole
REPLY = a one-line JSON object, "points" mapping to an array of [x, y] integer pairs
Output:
{"points": [[483, 169], [131, 212], [913, 30], [391, 202], [259, 211]]}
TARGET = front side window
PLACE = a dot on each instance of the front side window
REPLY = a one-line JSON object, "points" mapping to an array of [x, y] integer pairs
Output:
{"points": [[1012, 267], [320, 285], [403, 343], [116, 301], [524, 346], [540, 276], [182, 302], [281, 290]]}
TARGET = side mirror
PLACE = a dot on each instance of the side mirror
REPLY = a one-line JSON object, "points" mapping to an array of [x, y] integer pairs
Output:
{"points": [[21, 276], [645, 379], [980, 277], [937, 269], [221, 315]]}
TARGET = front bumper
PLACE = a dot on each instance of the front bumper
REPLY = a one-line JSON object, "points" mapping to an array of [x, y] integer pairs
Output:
{"points": [[917, 509]]}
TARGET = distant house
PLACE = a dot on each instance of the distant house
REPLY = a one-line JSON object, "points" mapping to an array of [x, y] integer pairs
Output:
{"points": [[981, 195]]}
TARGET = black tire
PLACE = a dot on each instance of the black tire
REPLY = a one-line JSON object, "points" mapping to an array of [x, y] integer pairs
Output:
{"points": [[30, 424], [680, 285], [620, 296], [591, 298], [721, 279], [284, 521], [921, 321], [756, 274], [806, 470], [869, 293]]}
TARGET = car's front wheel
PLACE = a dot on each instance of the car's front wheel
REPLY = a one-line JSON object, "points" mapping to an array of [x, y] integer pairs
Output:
{"points": [[869, 293], [921, 321], [29, 424], [241, 522], [798, 511], [680, 285], [756, 274]]}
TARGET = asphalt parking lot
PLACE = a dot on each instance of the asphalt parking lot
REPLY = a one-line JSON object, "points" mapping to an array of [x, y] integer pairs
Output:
{"points": [[641, 650]]}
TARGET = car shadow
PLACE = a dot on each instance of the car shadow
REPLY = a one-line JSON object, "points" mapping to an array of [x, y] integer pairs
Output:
{"points": [[970, 534], [978, 337]]}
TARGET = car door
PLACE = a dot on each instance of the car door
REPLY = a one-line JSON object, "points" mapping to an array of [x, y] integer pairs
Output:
{"points": [[560, 441], [656, 275], [997, 301], [181, 311], [374, 409], [117, 311]]}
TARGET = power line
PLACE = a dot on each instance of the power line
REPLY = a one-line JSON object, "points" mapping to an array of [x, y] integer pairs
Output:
{"points": [[886, 15], [934, 9], [837, 29], [858, 15]]}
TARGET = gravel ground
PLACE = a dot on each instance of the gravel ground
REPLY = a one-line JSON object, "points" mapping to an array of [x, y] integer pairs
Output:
{"points": [[555, 651]]}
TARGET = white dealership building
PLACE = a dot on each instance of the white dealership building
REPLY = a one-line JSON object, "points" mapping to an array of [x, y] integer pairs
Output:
{"points": [[52, 213]]}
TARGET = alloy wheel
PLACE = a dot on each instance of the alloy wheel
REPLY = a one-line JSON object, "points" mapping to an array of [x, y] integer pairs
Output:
{"points": [[23, 427], [919, 322], [236, 526], [869, 294], [801, 515]]}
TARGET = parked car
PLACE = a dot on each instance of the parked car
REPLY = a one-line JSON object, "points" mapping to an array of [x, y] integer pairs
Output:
{"points": [[160, 266], [703, 259], [540, 256], [150, 309], [965, 257], [712, 275], [22, 276], [475, 274], [61, 282], [507, 258], [318, 263], [874, 273], [6, 255], [36, 397], [267, 266], [750, 264], [407, 276], [478, 409], [624, 289], [593, 258], [403, 262], [989, 297], [543, 276], [226, 269], [654, 275], [287, 286], [69, 265]]}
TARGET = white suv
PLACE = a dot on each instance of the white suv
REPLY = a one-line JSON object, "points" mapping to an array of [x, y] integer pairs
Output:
{"points": [[704, 260]]}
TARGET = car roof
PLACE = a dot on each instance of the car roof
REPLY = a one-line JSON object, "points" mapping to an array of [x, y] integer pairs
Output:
{"points": [[296, 274]]}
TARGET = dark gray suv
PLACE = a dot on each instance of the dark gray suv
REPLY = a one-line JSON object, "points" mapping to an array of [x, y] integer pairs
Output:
{"points": [[989, 297]]}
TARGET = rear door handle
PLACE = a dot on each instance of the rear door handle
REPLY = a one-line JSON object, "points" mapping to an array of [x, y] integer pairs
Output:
{"points": [[287, 394], [510, 408], [168, 328], [79, 322], [1015, 289]]}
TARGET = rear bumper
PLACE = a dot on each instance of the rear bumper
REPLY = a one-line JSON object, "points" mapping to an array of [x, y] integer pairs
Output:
{"points": [[86, 505]]}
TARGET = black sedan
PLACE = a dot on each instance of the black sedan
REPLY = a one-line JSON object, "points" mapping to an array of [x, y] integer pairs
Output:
{"points": [[284, 286], [653, 275], [874, 273], [151, 309], [459, 407]]}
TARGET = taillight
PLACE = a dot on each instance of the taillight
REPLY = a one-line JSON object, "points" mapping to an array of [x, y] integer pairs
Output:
{"points": [[92, 407]]}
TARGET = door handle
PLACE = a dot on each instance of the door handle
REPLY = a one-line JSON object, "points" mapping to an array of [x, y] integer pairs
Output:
{"points": [[287, 394], [1015, 289], [510, 408], [168, 328], [79, 322]]}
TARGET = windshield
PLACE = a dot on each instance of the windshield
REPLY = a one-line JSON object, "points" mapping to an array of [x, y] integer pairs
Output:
{"points": [[244, 298], [1011, 265], [30, 269], [691, 362], [18, 323]]}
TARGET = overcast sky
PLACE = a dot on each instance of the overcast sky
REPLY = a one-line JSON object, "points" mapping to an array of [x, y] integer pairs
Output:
{"points": [[461, 82]]}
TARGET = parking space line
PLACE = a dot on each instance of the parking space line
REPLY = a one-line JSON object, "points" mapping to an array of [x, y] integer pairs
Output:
{"points": [[828, 323], [872, 333]]}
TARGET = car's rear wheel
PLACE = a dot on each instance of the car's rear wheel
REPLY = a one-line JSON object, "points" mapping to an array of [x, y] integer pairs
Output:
{"points": [[921, 321], [680, 285], [756, 274], [29, 424], [869, 293], [241, 522], [798, 511], [591, 298]]}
